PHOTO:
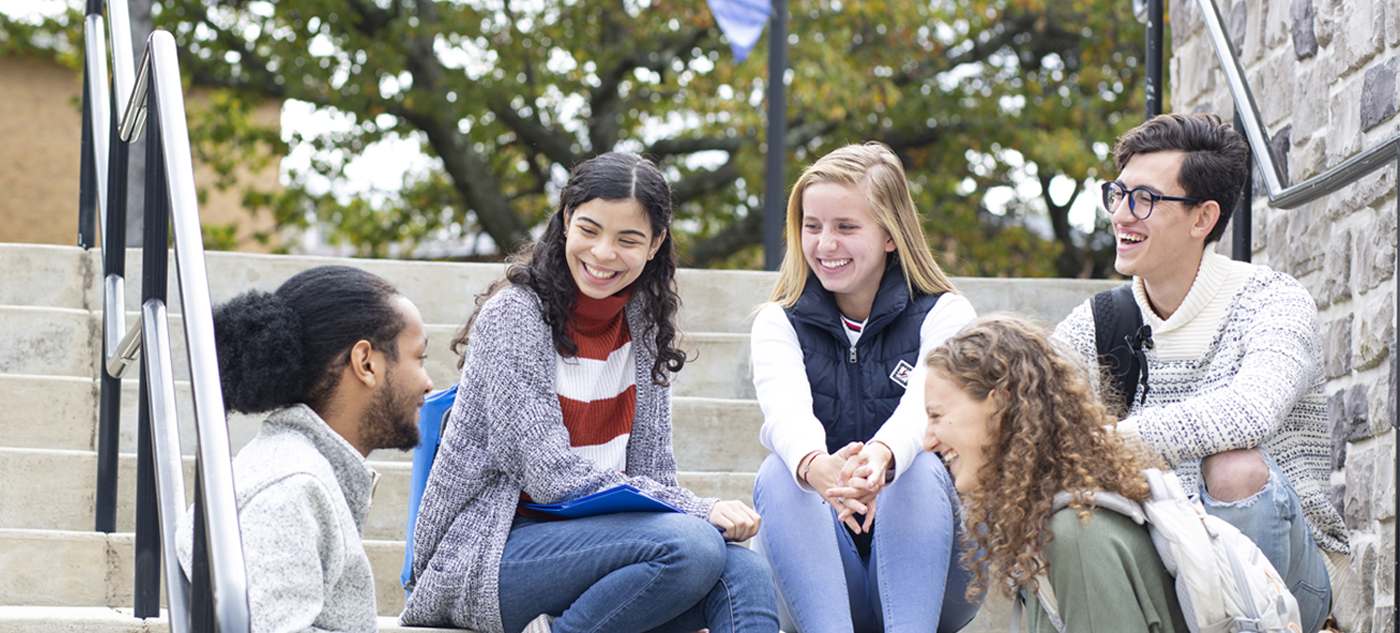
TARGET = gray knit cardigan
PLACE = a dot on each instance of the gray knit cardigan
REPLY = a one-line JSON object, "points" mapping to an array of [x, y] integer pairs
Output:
{"points": [[506, 435]]}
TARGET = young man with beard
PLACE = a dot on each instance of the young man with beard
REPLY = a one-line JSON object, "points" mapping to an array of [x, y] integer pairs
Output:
{"points": [[1232, 393], [336, 356]]}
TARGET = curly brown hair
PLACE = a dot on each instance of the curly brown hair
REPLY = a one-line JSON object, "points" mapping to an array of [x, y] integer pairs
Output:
{"points": [[1047, 434]]}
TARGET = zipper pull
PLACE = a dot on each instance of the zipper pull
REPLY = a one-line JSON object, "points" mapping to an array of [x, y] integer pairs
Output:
{"points": [[853, 353]]}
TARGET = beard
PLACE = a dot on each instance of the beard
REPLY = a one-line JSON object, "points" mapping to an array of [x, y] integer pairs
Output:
{"points": [[392, 419]]}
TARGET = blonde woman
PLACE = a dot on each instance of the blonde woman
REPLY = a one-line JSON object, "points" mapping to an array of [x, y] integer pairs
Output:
{"points": [[859, 523]]}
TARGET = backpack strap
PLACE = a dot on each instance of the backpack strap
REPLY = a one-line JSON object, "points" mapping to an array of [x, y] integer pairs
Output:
{"points": [[1119, 338]]}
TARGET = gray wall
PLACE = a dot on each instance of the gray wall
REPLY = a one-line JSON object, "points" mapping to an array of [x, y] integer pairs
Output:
{"points": [[1324, 75]]}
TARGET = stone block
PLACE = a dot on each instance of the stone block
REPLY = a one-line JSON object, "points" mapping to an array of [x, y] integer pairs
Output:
{"points": [[1194, 69], [1385, 567], [1353, 609], [1337, 494], [1336, 347], [1374, 261], [1308, 236], [1361, 482], [1392, 25], [1236, 24], [1390, 395], [1344, 123], [1370, 189], [1385, 614], [1259, 230], [1304, 36], [1278, 148], [1375, 331], [1383, 503], [1341, 427], [1325, 20], [1278, 20], [1277, 245], [1356, 413], [1185, 21], [1309, 157], [1378, 399], [1253, 42], [1378, 94], [1336, 270], [1357, 34]]}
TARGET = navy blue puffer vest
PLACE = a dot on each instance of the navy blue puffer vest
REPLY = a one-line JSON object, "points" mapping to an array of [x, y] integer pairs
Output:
{"points": [[856, 388]]}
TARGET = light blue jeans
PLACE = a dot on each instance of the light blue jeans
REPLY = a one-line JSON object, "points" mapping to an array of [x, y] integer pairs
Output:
{"points": [[912, 580], [1273, 518], [633, 572]]}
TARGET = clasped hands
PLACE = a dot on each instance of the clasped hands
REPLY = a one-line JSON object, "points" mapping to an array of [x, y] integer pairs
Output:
{"points": [[850, 479]]}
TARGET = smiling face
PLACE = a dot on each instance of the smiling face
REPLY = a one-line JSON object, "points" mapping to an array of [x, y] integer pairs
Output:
{"points": [[1167, 246], [844, 246], [607, 244], [391, 421], [959, 426]]}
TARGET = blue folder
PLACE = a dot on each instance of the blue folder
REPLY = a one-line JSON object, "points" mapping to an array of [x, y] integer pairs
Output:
{"points": [[623, 498]]}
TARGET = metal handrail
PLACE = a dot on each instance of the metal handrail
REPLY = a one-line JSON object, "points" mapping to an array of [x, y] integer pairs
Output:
{"points": [[1280, 194], [152, 100], [158, 103]]}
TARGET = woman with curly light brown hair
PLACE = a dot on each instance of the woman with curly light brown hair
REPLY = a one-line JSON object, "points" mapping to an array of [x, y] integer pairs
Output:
{"points": [[1017, 422]]}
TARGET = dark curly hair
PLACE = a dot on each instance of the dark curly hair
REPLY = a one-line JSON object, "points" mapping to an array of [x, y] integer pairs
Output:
{"points": [[1217, 158], [1048, 434], [543, 268], [280, 348]]}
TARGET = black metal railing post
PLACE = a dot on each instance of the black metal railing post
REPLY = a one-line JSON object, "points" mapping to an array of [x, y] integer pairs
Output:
{"points": [[1154, 57], [1242, 241], [110, 395], [774, 182], [87, 178], [154, 276]]}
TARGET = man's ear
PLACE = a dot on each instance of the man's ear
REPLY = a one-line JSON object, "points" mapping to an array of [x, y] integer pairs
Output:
{"points": [[1204, 216], [364, 363]]}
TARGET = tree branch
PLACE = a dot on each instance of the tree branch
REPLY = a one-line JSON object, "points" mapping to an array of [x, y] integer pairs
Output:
{"points": [[745, 231]]}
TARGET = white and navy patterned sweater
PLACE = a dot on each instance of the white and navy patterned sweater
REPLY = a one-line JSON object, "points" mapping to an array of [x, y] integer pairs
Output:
{"points": [[1238, 365]]}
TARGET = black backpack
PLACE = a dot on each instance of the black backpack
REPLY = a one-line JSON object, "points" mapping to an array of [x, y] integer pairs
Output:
{"points": [[1120, 336]]}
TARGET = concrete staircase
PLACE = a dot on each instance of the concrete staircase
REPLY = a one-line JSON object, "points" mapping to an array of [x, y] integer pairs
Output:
{"points": [[60, 575]]}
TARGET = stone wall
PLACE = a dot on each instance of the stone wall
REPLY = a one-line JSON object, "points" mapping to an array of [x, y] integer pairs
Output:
{"points": [[1324, 75]]}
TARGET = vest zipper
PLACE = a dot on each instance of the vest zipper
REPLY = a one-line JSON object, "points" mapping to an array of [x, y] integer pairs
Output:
{"points": [[853, 353]]}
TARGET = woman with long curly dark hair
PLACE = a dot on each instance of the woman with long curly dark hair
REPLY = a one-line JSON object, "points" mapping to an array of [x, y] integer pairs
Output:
{"points": [[564, 393], [1016, 423]]}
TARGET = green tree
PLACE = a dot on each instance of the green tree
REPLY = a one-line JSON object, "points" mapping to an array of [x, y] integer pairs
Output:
{"points": [[506, 96]]}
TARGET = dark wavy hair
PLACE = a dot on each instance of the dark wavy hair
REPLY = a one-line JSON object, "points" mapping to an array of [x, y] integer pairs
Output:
{"points": [[1217, 158], [283, 347], [1047, 434], [543, 268]]}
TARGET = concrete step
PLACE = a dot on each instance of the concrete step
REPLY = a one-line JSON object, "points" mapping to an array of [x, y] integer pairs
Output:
{"points": [[52, 489], [67, 342], [69, 568], [712, 300], [60, 412], [64, 594], [21, 619]]}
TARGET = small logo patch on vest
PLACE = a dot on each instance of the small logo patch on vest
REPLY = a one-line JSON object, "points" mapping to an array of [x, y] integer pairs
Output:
{"points": [[901, 374]]}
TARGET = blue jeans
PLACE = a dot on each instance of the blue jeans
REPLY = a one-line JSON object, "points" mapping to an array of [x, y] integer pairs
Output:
{"points": [[912, 580], [633, 572], [1273, 518]]}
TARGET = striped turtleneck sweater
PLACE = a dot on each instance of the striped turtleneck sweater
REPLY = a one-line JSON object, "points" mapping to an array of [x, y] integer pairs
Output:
{"points": [[597, 387]]}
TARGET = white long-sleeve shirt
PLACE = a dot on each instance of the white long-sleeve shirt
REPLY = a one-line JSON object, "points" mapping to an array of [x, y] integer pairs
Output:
{"points": [[791, 430]]}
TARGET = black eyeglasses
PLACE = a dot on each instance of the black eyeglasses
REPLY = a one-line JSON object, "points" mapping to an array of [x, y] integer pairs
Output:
{"points": [[1114, 191]]}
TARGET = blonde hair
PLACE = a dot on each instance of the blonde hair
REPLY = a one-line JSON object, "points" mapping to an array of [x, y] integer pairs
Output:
{"points": [[873, 169]]}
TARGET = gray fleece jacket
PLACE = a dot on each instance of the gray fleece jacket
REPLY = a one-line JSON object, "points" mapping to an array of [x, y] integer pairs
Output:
{"points": [[303, 494], [506, 435]]}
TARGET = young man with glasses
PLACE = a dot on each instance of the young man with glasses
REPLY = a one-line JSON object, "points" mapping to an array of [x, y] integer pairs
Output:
{"points": [[1231, 396]]}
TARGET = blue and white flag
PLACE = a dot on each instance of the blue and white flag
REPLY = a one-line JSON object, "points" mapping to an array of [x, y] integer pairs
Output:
{"points": [[741, 21]]}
